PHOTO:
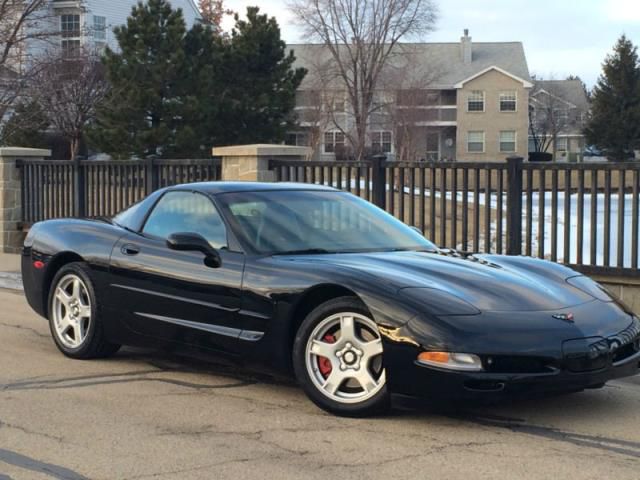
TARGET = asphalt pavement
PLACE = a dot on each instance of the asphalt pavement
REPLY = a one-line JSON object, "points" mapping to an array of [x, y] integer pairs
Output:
{"points": [[145, 415]]}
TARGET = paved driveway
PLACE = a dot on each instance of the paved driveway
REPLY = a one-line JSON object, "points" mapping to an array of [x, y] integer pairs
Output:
{"points": [[152, 416]]}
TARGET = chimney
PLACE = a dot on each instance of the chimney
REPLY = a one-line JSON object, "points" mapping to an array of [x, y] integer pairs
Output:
{"points": [[465, 47]]}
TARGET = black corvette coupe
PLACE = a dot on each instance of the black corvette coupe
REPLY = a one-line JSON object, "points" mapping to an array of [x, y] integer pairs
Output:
{"points": [[318, 282]]}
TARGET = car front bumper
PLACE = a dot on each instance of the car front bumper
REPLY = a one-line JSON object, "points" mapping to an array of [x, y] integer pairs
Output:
{"points": [[578, 364], [440, 384]]}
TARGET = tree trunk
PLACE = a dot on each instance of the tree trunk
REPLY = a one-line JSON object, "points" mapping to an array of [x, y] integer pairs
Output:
{"points": [[74, 146]]}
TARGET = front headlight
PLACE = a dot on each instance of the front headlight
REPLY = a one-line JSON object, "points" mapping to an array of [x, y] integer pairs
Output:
{"points": [[453, 361]]}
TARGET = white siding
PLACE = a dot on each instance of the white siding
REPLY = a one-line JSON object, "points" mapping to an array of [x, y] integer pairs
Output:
{"points": [[117, 11]]}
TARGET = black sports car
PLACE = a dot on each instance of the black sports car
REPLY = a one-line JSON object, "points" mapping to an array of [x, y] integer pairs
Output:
{"points": [[318, 282]]}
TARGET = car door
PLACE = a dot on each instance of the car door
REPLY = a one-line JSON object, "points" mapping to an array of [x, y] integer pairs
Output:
{"points": [[174, 295]]}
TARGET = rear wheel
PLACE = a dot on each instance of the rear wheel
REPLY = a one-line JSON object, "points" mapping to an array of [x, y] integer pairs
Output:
{"points": [[338, 359], [74, 315]]}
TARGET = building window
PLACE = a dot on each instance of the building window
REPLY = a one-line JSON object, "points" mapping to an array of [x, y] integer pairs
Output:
{"points": [[70, 30], [71, 48], [334, 101], [433, 98], [561, 115], [433, 146], [508, 101], [308, 98], [475, 101], [508, 141], [561, 144], [299, 139], [70, 26], [333, 141], [99, 28], [475, 142], [381, 142]]}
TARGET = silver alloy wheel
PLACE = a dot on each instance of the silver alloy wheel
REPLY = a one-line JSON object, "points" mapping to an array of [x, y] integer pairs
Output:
{"points": [[344, 358], [71, 311]]}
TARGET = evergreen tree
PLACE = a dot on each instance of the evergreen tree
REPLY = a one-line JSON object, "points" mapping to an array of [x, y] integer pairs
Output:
{"points": [[258, 97], [177, 93], [145, 113], [26, 128], [614, 126], [243, 87], [204, 51]]}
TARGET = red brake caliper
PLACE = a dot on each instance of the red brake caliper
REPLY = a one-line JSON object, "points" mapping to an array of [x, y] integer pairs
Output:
{"points": [[324, 364]]}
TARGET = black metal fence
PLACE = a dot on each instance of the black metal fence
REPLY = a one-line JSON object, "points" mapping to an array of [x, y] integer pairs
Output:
{"points": [[101, 188], [582, 215]]}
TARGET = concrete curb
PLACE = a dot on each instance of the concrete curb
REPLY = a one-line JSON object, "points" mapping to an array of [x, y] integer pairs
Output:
{"points": [[11, 281]]}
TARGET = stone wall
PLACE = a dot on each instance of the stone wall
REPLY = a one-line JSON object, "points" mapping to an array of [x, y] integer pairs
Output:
{"points": [[11, 236], [626, 289]]}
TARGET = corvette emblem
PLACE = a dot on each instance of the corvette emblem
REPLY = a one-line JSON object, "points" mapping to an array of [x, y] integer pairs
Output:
{"points": [[567, 317]]}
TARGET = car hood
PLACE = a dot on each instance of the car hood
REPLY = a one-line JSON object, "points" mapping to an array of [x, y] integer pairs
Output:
{"points": [[488, 282]]}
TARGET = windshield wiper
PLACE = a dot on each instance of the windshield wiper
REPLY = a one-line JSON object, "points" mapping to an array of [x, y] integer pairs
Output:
{"points": [[303, 251], [401, 249]]}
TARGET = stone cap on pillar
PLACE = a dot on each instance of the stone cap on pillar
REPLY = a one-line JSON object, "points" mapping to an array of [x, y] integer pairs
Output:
{"points": [[24, 152], [261, 150], [251, 162]]}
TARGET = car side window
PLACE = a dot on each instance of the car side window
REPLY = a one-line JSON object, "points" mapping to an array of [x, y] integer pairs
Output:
{"points": [[181, 212]]}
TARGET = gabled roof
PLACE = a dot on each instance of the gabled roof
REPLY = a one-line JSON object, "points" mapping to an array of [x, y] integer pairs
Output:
{"points": [[542, 91], [195, 7], [569, 91], [441, 63], [525, 83]]}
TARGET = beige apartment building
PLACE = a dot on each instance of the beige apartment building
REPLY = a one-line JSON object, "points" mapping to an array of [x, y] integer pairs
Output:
{"points": [[436, 101]]}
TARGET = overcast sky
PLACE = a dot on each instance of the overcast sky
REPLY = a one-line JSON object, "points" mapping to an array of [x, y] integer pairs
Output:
{"points": [[560, 37]]}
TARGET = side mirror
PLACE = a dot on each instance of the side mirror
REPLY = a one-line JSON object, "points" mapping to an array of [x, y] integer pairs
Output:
{"points": [[417, 230], [194, 242]]}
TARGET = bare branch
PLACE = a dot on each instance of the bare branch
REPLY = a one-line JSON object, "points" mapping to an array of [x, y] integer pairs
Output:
{"points": [[362, 37], [550, 115], [68, 91]]}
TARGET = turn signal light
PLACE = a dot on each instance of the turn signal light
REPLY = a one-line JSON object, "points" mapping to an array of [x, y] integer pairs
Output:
{"points": [[438, 357], [451, 360]]}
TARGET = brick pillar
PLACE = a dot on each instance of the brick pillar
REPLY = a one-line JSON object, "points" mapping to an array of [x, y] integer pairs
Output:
{"points": [[250, 163], [11, 237]]}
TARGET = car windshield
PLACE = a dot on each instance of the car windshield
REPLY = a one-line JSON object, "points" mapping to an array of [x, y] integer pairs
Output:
{"points": [[292, 221]]}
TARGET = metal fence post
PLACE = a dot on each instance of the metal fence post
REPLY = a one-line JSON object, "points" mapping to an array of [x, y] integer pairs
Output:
{"points": [[79, 204], [151, 179], [514, 206], [378, 181]]}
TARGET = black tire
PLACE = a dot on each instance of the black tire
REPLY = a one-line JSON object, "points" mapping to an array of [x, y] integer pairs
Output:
{"points": [[375, 405], [94, 345]]}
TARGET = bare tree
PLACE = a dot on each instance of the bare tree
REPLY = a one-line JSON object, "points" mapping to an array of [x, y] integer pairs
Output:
{"points": [[68, 90], [213, 13], [325, 107], [311, 115], [549, 115], [415, 102], [362, 38], [20, 22]]}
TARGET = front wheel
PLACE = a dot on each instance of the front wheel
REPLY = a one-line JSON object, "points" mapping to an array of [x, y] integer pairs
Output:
{"points": [[74, 315], [338, 359]]}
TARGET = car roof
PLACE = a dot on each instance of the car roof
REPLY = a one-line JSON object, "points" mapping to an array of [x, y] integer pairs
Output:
{"points": [[214, 188]]}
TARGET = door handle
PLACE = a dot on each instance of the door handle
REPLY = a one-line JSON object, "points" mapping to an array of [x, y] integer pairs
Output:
{"points": [[130, 249]]}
